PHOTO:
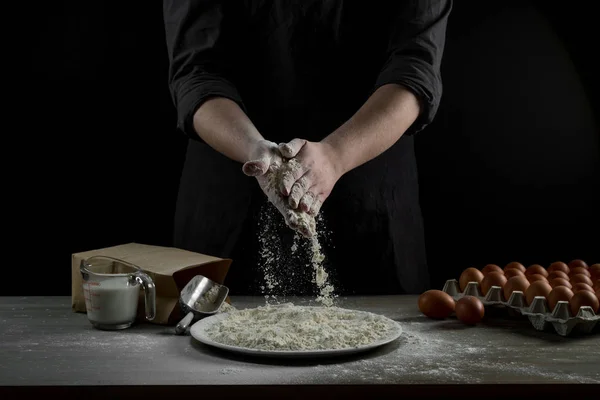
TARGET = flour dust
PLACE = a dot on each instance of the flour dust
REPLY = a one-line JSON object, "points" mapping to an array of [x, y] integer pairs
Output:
{"points": [[288, 261]]}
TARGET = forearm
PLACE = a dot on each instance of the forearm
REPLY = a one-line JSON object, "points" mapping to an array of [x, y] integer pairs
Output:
{"points": [[224, 126], [375, 127]]}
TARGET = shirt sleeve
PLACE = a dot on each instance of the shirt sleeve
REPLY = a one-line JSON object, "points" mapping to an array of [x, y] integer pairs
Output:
{"points": [[417, 40], [198, 63]]}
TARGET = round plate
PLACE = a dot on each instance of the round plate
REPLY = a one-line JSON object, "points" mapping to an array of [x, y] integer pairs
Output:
{"points": [[198, 332]]}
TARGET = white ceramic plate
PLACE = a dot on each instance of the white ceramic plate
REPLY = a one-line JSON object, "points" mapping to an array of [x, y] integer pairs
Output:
{"points": [[198, 332]]}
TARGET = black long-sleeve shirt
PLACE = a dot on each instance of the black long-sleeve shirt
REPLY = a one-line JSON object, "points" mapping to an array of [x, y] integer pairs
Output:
{"points": [[301, 68]]}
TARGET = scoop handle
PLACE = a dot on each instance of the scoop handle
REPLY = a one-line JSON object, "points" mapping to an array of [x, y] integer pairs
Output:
{"points": [[184, 323]]}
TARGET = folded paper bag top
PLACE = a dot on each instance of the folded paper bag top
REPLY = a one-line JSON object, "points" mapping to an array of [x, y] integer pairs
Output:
{"points": [[170, 269]]}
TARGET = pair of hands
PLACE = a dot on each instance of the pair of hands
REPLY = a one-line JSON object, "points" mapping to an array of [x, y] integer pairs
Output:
{"points": [[302, 189]]}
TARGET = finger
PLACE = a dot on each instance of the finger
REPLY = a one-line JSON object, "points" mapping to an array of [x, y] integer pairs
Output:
{"points": [[316, 206], [291, 149], [264, 157], [298, 191], [306, 201], [290, 177], [256, 167]]}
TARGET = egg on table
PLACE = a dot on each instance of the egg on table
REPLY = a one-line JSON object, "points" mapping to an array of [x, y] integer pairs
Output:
{"points": [[469, 310], [436, 304]]}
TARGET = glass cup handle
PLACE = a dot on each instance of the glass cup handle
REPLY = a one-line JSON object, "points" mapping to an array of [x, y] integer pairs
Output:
{"points": [[149, 294]]}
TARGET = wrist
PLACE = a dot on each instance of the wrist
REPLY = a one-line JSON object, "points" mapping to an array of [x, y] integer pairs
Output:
{"points": [[337, 155], [252, 146]]}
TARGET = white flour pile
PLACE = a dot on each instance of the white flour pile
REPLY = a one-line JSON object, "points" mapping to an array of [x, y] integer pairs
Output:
{"points": [[288, 327]]}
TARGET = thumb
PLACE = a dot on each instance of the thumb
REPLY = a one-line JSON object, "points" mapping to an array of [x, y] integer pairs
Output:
{"points": [[261, 163], [291, 149], [257, 167]]}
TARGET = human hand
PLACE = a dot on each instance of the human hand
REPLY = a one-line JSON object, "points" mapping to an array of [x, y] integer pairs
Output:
{"points": [[268, 167], [314, 172]]}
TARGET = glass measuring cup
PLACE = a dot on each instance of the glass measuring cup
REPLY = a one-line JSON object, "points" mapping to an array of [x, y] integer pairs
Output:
{"points": [[111, 289]]}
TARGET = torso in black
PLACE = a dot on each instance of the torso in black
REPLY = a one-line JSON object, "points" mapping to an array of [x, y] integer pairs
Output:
{"points": [[300, 69]]}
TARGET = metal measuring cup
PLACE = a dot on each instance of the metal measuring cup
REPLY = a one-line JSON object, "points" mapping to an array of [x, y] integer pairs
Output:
{"points": [[199, 298]]}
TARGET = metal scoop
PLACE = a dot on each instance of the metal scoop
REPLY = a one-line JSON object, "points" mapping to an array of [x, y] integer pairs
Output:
{"points": [[199, 298]]}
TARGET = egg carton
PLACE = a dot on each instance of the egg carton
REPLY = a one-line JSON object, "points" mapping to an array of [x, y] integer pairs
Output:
{"points": [[538, 313]]}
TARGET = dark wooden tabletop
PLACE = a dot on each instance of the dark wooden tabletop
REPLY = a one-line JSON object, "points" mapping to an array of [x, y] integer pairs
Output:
{"points": [[47, 347]]}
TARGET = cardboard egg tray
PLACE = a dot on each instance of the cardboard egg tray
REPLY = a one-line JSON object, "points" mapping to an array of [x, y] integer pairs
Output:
{"points": [[538, 313]]}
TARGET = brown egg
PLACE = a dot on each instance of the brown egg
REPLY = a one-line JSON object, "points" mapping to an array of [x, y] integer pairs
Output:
{"points": [[596, 284], [509, 273], [491, 268], [536, 277], [515, 265], [595, 270], [539, 288], [560, 282], [577, 263], [519, 283], [598, 294], [469, 310], [557, 274], [492, 279], [578, 287], [558, 266], [536, 269], [581, 278], [579, 271], [436, 304], [469, 275], [559, 293], [583, 298]]}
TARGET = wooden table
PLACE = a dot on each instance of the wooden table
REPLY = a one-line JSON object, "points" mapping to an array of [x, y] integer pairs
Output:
{"points": [[47, 348]]}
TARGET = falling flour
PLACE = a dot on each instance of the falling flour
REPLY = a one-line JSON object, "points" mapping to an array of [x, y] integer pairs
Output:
{"points": [[272, 254], [288, 327], [277, 265]]}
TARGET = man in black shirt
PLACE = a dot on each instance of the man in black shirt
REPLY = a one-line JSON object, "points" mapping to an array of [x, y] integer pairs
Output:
{"points": [[344, 85]]}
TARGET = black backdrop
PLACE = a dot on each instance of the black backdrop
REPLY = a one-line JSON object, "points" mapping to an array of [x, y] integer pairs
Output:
{"points": [[509, 170]]}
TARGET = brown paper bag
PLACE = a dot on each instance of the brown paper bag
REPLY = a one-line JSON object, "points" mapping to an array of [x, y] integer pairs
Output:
{"points": [[170, 268]]}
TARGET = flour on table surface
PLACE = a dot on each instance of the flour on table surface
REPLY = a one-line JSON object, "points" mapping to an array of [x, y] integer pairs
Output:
{"points": [[422, 352], [288, 327]]}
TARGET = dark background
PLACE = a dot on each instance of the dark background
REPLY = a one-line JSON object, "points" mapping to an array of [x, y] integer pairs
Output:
{"points": [[509, 169]]}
